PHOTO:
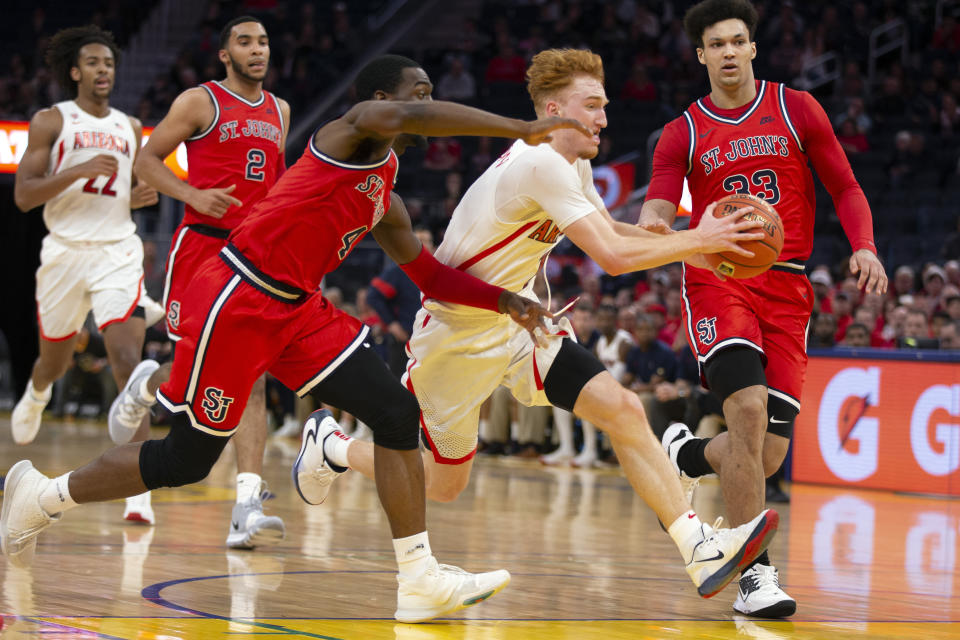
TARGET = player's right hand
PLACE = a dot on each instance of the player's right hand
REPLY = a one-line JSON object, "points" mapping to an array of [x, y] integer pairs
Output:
{"points": [[539, 131], [214, 202], [527, 313], [724, 234], [102, 164]]}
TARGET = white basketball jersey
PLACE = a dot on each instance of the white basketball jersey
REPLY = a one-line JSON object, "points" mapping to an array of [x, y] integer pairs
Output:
{"points": [[608, 352], [515, 213], [96, 210]]}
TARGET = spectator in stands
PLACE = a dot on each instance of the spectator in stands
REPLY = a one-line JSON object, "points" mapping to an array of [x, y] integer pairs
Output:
{"points": [[938, 320], [905, 162], [785, 59], [858, 336], [890, 105], [952, 269], [639, 87], [822, 283], [916, 326], [824, 331], [904, 282], [952, 307], [457, 84], [924, 109], [946, 37], [948, 119], [651, 361], [950, 336], [443, 154], [852, 141], [842, 312], [507, 67], [951, 245]]}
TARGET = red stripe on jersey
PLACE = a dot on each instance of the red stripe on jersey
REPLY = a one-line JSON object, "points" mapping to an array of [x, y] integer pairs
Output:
{"points": [[60, 154], [494, 248]]}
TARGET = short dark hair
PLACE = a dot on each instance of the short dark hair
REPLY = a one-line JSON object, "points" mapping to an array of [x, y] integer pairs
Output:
{"points": [[383, 73], [227, 28], [63, 53], [709, 12]]}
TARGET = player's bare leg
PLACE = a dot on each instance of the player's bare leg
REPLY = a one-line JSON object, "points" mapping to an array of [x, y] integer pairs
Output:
{"points": [[124, 345], [737, 458], [54, 359], [249, 527]]}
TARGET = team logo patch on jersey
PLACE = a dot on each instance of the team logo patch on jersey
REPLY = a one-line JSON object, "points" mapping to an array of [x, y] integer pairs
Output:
{"points": [[215, 404], [173, 314], [707, 330]]}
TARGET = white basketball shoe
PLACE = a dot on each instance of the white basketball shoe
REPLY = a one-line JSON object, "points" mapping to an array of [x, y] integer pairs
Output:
{"points": [[128, 408], [21, 517], [722, 553], [26, 416], [139, 509], [443, 589], [250, 527], [760, 594], [313, 473], [677, 435]]}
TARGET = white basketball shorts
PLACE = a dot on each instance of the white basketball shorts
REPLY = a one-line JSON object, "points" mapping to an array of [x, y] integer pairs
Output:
{"points": [[75, 277], [456, 360]]}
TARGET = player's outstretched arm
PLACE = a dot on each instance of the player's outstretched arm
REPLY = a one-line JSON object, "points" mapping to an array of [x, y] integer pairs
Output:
{"points": [[386, 119], [191, 113], [394, 233], [617, 253], [657, 215], [33, 186]]}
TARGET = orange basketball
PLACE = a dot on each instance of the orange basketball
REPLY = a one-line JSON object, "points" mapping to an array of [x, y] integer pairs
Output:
{"points": [[766, 250]]}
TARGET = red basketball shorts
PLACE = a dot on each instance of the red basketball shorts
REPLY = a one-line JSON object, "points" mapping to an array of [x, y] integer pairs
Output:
{"points": [[192, 245], [769, 313], [235, 324]]}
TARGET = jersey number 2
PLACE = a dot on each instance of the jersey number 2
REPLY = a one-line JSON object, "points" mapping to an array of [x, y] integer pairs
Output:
{"points": [[106, 190], [256, 159]]}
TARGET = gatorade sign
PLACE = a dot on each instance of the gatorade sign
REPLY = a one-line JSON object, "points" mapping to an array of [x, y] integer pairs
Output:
{"points": [[881, 424]]}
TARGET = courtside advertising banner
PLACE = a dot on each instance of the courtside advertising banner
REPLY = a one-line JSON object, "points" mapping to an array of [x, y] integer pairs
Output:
{"points": [[880, 424], [13, 144]]}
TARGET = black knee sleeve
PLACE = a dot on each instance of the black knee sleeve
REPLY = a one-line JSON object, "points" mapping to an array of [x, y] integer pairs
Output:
{"points": [[734, 368], [185, 456], [780, 416], [571, 370], [363, 386]]}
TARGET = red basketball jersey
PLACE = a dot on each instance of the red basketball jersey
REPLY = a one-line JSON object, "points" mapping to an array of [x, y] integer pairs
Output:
{"points": [[757, 152], [241, 146], [314, 216]]}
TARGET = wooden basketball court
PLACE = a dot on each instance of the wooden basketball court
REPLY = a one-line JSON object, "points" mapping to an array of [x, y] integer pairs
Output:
{"points": [[587, 557]]}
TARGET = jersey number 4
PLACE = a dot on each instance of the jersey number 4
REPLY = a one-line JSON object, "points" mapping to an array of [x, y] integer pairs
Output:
{"points": [[105, 190], [349, 239], [765, 179]]}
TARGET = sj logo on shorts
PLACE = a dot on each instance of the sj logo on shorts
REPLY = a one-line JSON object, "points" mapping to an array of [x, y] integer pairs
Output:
{"points": [[215, 404], [173, 315], [707, 330]]}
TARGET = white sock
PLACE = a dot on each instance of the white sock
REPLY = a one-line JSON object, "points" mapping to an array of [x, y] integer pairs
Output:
{"points": [[248, 486], [37, 395], [686, 531], [335, 447], [413, 554], [55, 498], [145, 391]]}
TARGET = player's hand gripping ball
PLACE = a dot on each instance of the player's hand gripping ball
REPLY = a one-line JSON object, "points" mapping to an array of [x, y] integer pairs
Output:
{"points": [[766, 250]]}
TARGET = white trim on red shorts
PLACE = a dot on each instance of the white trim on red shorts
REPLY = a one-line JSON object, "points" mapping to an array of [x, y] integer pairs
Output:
{"points": [[336, 362]]}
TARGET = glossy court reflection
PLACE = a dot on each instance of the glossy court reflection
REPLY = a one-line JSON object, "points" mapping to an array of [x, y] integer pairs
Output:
{"points": [[588, 560]]}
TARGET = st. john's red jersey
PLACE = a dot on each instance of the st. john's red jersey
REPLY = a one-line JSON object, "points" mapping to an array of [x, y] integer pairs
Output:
{"points": [[314, 216], [757, 151], [240, 147]]}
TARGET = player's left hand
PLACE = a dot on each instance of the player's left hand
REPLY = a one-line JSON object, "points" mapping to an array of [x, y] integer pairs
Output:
{"points": [[527, 313], [873, 279], [143, 195], [539, 131]]}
